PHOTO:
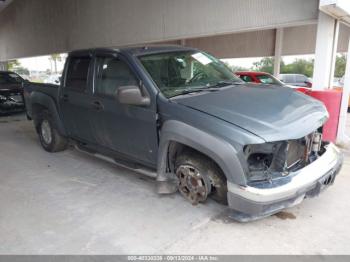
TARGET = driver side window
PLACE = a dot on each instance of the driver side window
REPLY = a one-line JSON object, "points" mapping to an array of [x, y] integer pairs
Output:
{"points": [[113, 73]]}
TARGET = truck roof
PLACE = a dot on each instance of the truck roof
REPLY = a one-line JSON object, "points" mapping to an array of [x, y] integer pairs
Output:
{"points": [[138, 50]]}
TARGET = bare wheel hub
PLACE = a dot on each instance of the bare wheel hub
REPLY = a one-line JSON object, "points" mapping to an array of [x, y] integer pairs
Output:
{"points": [[192, 184], [46, 132]]}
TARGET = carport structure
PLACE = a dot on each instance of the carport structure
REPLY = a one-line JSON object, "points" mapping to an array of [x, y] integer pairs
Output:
{"points": [[225, 28], [73, 203]]}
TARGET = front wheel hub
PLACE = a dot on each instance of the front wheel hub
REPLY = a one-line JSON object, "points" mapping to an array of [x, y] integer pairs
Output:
{"points": [[46, 132], [192, 184]]}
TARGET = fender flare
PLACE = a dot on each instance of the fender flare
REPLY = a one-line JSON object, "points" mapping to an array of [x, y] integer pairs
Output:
{"points": [[220, 151], [48, 102]]}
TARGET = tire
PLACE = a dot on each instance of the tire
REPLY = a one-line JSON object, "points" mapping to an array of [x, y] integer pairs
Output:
{"points": [[49, 137], [210, 172]]}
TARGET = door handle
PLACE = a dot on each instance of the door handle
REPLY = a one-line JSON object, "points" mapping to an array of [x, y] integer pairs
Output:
{"points": [[97, 105], [65, 98]]}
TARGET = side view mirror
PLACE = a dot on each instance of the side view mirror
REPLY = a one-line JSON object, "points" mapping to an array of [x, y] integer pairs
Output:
{"points": [[131, 95]]}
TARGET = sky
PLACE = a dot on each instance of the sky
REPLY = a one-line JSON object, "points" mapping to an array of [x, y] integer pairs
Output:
{"points": [[42, 63]]}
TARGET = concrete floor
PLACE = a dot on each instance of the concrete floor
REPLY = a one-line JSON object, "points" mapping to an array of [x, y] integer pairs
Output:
{"points": [[71, 203]]}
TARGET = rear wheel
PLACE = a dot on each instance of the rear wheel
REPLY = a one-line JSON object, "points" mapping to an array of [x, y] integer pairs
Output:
{"points": [[199, 177], [49, 137]]}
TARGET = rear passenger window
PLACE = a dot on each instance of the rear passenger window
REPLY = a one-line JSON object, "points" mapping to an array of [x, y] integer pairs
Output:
{"points": [[77, 73], [113, 73]]}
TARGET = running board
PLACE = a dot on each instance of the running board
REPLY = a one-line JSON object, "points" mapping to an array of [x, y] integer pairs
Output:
{"points": [[137, 169]]}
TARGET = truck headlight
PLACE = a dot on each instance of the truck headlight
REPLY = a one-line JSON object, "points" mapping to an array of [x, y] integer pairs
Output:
{"points": [[260, 159]]}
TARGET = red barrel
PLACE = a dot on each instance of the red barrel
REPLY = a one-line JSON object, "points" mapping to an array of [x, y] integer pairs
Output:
{"points": [[332, 101]]}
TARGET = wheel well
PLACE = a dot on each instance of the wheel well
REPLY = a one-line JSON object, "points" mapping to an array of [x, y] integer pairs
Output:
{"points": [[176, 148], [37, 110]]}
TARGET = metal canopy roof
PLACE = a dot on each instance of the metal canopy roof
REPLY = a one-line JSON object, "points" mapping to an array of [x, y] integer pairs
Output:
{"points": [[4, 3]]}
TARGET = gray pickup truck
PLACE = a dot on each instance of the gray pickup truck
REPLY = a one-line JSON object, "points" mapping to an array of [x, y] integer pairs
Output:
{"points": [[180, 115]]}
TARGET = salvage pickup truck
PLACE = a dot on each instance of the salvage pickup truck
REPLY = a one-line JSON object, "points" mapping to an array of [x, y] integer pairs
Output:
{"points": [[180, 115], [11, 93]]}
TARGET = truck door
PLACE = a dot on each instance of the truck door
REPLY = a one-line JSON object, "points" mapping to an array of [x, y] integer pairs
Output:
{"points": [[126, 129], [76, 98]]}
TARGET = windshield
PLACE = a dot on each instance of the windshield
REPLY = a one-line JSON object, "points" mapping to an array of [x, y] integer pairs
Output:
{"points": [[269, 79], [181, 72], [10, 78]]}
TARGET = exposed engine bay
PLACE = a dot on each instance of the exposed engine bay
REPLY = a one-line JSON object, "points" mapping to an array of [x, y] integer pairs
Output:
{"points": [[271, 160]]}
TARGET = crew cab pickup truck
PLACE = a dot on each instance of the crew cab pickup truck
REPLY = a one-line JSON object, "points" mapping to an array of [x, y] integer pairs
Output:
{"points": [[180, 115]]}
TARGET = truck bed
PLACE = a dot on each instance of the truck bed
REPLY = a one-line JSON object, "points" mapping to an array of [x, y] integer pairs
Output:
{"points": [[47, 89]]}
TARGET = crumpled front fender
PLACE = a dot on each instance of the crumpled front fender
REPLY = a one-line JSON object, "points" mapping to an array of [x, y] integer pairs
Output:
{"points": [[220, 151]]}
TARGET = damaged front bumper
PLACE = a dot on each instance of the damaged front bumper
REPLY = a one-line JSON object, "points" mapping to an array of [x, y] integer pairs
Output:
{"points": [[10, 105], [254, 202]]}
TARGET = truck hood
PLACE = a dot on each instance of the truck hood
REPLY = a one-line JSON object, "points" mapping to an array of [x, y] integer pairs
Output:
{"points": [[273, 113]]}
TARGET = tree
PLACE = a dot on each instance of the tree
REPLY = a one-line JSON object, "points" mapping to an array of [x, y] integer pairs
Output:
{"points": [[15, 66], [55, 58], [235, 68], [21, 70], [11, 65], [299, 66], [340, 65], [264, 65]]}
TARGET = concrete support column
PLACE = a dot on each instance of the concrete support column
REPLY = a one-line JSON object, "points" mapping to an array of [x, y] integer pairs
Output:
{"points": [[342, 138], [3, 66], [326, 44], [278, 51], [334, 53]]}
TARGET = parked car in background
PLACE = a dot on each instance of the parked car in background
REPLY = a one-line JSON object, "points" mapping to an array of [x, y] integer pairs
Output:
{"points": [[53, 79], [181, 116], [259, 78], [296, 80], [11, 92]]}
